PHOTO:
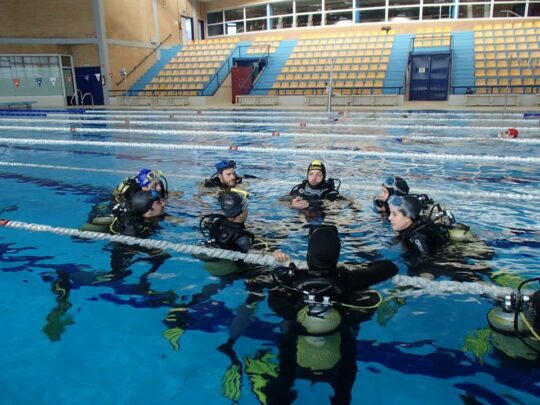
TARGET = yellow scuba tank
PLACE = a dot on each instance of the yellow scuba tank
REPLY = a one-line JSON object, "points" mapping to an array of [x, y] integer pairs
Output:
{"points": [[461, 233], [503, 322], [318, 320]]}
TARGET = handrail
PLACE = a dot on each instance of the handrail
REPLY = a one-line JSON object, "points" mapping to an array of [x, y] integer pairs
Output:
{"points": [[227, 63], [77, 91], [91, 98], [264, 56], [143, 60], [534, 89]]}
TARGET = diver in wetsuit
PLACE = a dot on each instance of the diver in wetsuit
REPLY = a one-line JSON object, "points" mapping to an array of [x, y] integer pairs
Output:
{"points": [[322, 308], [315, 188], [225, 176], [392, 185]]}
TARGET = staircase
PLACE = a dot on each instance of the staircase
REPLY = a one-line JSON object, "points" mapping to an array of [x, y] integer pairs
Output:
{"points": [[397, 66], [463, 61], [165, 56], [276, 61]]}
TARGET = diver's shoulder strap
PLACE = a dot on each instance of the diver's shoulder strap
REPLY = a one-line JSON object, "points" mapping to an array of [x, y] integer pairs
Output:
{"points": [[299, 189], [213, 181]]}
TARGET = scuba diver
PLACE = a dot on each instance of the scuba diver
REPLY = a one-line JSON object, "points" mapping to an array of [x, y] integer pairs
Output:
{"points": [[152, 180], [225, 176], [228, 230], [322, 308], [515, 329], [392, 185], [104, 217], [315, 188]]}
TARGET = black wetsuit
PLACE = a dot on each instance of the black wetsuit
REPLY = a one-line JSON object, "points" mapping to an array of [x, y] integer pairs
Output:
{"points": [[230, 235], [424, 236], [326, 190], [214, 181]]}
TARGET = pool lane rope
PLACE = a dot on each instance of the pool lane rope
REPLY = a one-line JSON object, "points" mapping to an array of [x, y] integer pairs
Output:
{"points": [[356, 186], [296, 116], [421, 285], [273, 134], [272, 150], [207, 123]]}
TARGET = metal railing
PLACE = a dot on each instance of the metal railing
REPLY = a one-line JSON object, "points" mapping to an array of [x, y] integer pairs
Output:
{"points": [[337, 91], [88, 95], [496, 90], [75, 97], [143, 60], [256, 72]]}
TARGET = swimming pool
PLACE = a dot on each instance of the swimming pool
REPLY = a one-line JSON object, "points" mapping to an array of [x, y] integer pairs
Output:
{"points": [[75, 332]]}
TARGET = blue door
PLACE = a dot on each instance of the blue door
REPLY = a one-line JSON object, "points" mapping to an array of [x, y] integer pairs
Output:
{"points": [[429, 77], [89, 80]]}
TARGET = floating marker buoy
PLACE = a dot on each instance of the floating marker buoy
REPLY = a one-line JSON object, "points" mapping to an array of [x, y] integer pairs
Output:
{"points": [[275, 133], [126, 121], [303, 124], [233, 147], [73, 129]]}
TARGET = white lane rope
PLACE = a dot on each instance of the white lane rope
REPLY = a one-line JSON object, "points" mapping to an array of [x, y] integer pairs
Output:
{"points": [[298, 116], [373, 187], [427, 286], [208, 123], [300, 151], [253, 258], [273, 134]]}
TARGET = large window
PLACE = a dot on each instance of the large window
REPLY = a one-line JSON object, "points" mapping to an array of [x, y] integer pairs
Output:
{"points": [[283, 14]]}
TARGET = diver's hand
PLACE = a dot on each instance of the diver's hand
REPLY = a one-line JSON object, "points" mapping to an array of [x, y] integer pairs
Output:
{"points": [[281, 257], [300, 203]]}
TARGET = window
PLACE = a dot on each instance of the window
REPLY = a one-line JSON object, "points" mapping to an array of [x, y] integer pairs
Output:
{"points": [[474, 11], [404, 13], [436, 12], [215, 30], [234, 28], [403, 2], [256, 25], [282, 22], [534, 10], [281, 8], [337, 4], [309, 20], [370, 3], [370, 15], [214, 18], [509, 10], [236, 14], [306, 6], [256, 11], [340, 18]]}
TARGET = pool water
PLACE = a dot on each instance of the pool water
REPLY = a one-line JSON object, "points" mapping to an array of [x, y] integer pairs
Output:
{"points": [[74, 330]]}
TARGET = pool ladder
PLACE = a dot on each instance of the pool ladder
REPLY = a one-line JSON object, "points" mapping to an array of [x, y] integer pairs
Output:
{"points": [[75, 98]]}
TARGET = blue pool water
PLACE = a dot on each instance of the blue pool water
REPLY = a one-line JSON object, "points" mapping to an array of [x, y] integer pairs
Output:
{"points": [[74, 332]]}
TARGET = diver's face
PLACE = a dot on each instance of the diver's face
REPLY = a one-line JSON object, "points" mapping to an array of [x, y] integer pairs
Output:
{"points": [[157, 209], [399, 221], [228, 177], [383, 196], [314, 177]]}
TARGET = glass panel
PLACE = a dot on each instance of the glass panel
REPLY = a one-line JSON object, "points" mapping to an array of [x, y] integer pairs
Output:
{"points": [[509, 10], [436, 12], [234, 27], [441, 1], [282, 22], [305, 6], [236, 14], [370, 3], [342, 18], [285, 7], [256, 25], [337, 4], [534, 10], [370, 15], [404, 14], [474, 11], [214, 30], [256, 11], [308, 20], [213, 18], [402, 2]]}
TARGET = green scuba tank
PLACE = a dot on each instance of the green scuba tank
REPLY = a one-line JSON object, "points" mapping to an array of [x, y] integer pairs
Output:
{"points": [[461, 233], [318, 320], [318, 353], [503, 322]]}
